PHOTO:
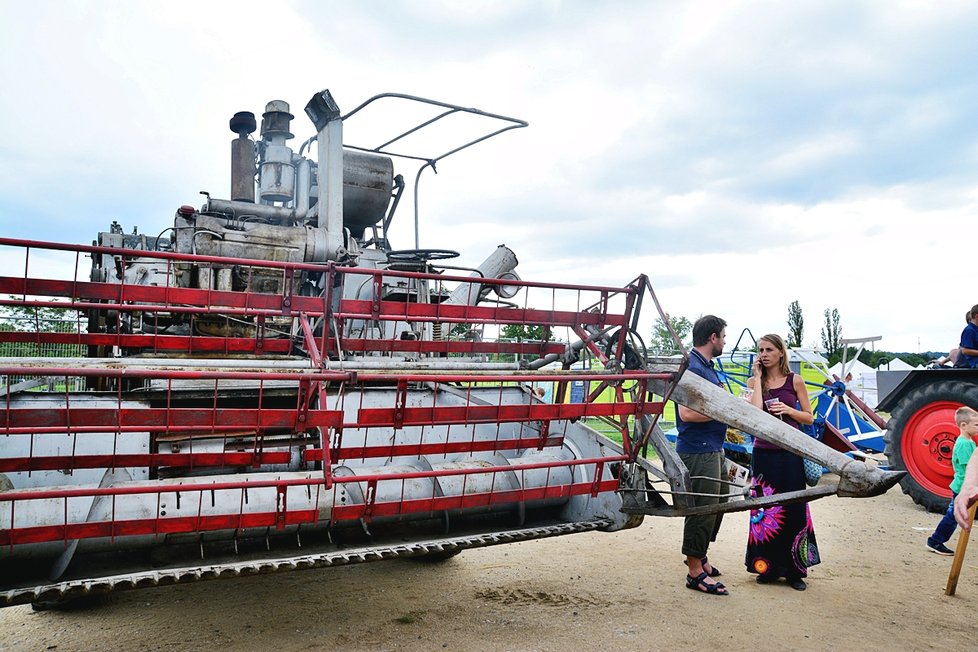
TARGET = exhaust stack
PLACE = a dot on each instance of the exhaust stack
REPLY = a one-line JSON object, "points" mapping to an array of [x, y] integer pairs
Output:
{"points": [[243, 157], [325, 114]]}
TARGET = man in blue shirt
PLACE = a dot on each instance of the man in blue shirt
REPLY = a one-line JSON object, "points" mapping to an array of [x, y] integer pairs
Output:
{"points": [[700, 447], [968, 350]]}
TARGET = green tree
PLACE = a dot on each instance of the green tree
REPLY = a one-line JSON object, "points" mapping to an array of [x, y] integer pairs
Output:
{"points": [[526, 332], [915, 359], [796, 324], [32, 319], [832, 336], [868, 357], [875, 358], [662, 342]]}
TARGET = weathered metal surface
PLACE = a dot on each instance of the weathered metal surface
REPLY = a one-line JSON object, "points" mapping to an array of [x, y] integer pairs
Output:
{"points": [[368, 427], [634, 504], [61, 591], [243, 170], [856, 478], [271, 369]]}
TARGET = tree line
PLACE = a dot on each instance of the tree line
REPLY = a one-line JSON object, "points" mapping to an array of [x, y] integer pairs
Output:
{"points": [[38, 319], [662, 343]]}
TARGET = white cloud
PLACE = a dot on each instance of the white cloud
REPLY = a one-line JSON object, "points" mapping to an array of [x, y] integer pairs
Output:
{"points": [[744, 155], [821, 149]]}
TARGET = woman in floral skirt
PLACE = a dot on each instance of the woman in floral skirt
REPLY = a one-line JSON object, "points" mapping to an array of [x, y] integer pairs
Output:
{"points": [[781, 541]]}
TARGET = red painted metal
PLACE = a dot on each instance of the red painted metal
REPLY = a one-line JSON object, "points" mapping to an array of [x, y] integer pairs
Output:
{"points": [[433, 448], [241, 521], [26, 245], [370, 509], [515, 377], [164, 419], [154, 460], [200, 485], [416, 416], [439, 312], [178, 374], [450, 346], [309, 339], [156, 343], [328, 419]]}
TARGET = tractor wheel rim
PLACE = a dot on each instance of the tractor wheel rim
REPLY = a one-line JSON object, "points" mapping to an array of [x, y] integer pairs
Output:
{"points": [[927, 444]]}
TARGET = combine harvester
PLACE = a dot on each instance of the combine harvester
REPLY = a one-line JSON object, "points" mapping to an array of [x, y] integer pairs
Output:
{"points": [[268, 386]]}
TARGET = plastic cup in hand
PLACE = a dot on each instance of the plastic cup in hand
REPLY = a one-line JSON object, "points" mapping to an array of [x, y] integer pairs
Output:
{"points": [[769, 402]]}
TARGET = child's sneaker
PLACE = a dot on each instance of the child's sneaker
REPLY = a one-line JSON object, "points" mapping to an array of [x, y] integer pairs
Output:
{"points": [[940, 549]]}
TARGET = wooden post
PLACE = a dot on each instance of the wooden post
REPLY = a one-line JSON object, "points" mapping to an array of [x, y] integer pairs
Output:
{"points": [[952, 579]]}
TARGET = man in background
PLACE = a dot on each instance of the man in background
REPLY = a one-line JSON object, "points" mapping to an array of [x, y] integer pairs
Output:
{"points": [[700, 447], [968, 349]]}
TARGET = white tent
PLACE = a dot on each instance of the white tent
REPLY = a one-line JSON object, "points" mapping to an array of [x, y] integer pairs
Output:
{"points": [[863, 382], [854, 367], [896, 364]]}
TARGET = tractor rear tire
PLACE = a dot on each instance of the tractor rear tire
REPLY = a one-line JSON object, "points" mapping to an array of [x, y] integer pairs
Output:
{"points": [[920, 439]]}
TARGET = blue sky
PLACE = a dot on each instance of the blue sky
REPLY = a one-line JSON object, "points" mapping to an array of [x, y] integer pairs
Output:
{"points": [[743, 155]]}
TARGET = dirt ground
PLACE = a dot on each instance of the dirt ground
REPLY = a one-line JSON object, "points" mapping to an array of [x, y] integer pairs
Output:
{"points": [[877, 589]]}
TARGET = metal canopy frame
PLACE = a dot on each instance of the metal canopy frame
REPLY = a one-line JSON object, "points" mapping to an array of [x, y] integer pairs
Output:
{"points": [[430, 161]]}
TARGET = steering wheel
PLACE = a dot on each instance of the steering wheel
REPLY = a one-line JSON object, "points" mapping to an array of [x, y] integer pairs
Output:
{"points": [[419, 256]]}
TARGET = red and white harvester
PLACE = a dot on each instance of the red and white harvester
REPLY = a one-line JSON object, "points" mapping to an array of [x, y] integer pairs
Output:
{"points": [[267, 385]]}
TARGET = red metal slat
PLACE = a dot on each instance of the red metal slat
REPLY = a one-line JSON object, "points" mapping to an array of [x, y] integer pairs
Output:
{"points": [[205, 309], [156, 297], [201, 344], [84, 430], [153, 298], [174, 374], [123, 490], [432, 448], [250, 458], [416, 416], [416, 376], [202, 523], [155, 419], [483, 499], [398, 310], [167, 525], [312, 348], [452, 346], [151, 460]]}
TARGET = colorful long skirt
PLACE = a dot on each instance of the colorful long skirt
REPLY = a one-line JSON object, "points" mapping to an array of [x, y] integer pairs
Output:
{"points": [[781, 541]]}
